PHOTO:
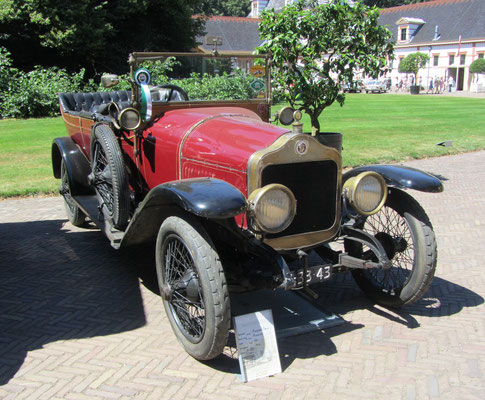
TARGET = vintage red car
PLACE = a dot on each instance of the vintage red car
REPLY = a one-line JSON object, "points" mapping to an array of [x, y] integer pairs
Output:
{"points": [[233, 201]]}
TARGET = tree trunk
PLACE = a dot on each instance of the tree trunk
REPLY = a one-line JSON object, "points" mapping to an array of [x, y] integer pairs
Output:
{"points": [[315, 124]]}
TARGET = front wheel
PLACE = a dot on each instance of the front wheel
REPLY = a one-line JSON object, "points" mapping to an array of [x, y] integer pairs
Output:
{"points": [[405, 232], [193, 285]]}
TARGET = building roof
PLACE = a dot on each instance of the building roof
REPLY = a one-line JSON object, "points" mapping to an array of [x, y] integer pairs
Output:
{"points": [[238, 34], [276, 5], [454, 18]]}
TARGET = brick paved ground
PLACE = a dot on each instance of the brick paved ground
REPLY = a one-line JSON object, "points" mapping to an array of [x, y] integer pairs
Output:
{"points": [[79, 320]]}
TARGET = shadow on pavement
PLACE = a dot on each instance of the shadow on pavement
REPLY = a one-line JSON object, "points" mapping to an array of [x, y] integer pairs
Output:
{"points": [[443, 298], [342, 296], [59, 285]]}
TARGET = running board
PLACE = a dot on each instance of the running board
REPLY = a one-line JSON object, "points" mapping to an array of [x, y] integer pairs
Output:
{"points": [[89, 205]]}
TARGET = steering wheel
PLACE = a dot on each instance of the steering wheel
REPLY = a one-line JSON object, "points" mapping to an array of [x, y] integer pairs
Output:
{"points": [[174, 88]]}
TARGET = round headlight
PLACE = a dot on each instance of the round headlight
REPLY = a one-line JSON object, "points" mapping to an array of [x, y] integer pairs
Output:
{"points": [[366, 192], [272, 207], [129, 119], [286, 115]]}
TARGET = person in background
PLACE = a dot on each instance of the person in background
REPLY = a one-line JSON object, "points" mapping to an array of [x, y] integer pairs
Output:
{"points": [[430, 86], [437, 85], [451, 83]]}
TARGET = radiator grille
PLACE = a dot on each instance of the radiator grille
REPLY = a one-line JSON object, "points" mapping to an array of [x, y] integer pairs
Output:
{"points": [[314, 185]]}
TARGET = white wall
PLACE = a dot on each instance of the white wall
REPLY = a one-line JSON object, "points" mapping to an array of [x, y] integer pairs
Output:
{"points": [[443, 69]]}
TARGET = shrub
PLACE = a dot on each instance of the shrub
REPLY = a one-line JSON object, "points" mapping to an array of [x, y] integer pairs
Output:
{"points": [[34, 93], [219, 87]]}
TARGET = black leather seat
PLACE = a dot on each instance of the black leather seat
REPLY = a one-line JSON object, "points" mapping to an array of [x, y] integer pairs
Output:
{"points": [[74, 103]]}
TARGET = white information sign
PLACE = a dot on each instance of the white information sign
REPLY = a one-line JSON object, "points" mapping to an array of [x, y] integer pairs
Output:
{"points": [[256, 345]]}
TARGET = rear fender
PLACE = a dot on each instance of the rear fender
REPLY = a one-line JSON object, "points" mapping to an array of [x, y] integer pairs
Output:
{"points": [[78, 167], [401, 177], [204, 197]]}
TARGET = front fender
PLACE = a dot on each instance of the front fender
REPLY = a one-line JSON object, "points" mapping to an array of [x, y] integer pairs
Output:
{"points": [[401, 177], [77, 165], [204, 197]]}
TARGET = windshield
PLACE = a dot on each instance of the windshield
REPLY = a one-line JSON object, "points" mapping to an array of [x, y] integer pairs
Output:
{"points": [[201, 77]]}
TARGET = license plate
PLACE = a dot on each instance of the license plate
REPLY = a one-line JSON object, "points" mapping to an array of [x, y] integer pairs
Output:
{"points": [[318, 273]]}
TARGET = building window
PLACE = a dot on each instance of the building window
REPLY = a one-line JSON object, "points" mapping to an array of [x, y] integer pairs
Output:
{"points": [[451, 60], [435, 60], [480, 55], [462, 59], [404, 34]]}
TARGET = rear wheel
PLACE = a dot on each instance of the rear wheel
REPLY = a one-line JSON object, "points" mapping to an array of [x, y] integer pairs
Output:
{"points": [[108, 176], [193, 285], [405, 232], [74, 213]]}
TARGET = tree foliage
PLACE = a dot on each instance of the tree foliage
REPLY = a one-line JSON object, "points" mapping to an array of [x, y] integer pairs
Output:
{"points": [[412, 63], [478, 66], [232, 8], [97, 34], [318, 47]]}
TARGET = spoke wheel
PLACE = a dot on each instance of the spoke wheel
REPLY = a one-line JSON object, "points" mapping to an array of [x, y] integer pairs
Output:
{"points": [[193, 285], [108, 176], [75, 215], [404, 230]]}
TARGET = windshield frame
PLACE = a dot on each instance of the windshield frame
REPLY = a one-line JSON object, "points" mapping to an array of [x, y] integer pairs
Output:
{"points": [[136, 58]]}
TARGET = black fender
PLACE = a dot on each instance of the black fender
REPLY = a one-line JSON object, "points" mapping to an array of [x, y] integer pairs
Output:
{"points": [[78, 167], [204, 197], [401, 177]]}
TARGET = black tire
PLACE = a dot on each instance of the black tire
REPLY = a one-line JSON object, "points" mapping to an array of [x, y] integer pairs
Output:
{"points": [[404, 230], [109, 177], [74, 213], [194, 287]]}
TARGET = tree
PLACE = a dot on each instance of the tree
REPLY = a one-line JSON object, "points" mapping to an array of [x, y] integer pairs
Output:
{"points": [[97, 34], [478, 66], [231, 8], [316, 48], [412, 63]]}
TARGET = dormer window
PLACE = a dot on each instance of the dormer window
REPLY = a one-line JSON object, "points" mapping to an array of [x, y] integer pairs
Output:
{"points": [[408, 27]]}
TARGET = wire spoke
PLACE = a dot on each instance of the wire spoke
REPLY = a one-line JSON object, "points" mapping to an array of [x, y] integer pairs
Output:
{"points": [[396, 230], [180, 273]]}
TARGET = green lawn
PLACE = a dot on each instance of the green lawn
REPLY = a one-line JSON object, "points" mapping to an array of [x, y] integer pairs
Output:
{"points": [[376, 128], [25, 155], [391, 128]]}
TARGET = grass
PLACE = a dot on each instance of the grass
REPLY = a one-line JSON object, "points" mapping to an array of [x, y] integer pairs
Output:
{"points": [[25, 155], [376, 128], [391, 128]]}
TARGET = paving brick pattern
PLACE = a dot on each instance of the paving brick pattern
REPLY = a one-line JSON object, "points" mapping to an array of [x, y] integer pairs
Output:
{"points": [[79, 320]]}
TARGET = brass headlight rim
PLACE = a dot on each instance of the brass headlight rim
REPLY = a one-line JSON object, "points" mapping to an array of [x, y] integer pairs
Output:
{"points": [[123, 112], [114, 113], [256, 196], [352, 184]]}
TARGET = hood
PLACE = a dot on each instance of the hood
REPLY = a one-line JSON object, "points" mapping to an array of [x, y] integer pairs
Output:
{"points": [[228, 137]]}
